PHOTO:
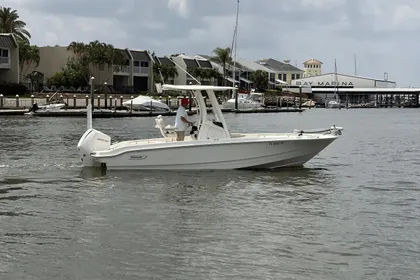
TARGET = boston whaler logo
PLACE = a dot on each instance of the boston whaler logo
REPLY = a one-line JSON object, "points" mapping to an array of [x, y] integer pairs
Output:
{"points": [[103, 140], [137, 157]]}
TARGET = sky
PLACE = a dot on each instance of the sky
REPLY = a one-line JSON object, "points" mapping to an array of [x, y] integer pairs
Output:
{"points": [[382, 34]]}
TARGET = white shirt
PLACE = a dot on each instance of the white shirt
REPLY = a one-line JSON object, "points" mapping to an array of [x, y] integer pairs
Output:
{"points": [[179, 124]]}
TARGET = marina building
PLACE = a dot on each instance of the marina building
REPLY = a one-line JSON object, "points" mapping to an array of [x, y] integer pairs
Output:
{"points": [[312, 67], [356, 89]]}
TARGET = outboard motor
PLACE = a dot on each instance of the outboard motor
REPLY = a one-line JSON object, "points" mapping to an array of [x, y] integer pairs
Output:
{"points": [[92, 141], [34, 108]]}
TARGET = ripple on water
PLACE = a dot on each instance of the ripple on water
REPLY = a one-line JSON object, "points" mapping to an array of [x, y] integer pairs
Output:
{"points": [[350, 213]]}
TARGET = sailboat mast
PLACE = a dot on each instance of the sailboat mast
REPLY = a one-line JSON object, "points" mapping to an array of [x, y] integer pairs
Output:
{"points": [[355, 66], [235, 40], [336, 78]]}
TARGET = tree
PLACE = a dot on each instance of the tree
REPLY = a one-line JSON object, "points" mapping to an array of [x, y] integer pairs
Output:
{"points": [[205, 74], [10, 23], [260, 79], [89, 58], [198, 73], [223, 56], [167, 71], [28, 55]]}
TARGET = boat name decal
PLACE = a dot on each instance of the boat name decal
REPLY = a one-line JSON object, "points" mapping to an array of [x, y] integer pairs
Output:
{"points": [[138, 157], [275, 143]]}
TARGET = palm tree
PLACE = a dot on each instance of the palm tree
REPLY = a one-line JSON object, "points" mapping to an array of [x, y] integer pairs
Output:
{"points": [[260, 79], [198, 73], [169, 71], [78, 48], [88, 58], [10, 23], [166, 70], [224, 58], [28, 55]]}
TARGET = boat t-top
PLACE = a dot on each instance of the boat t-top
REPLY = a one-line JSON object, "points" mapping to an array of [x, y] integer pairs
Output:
{"points": [[210, 144]]}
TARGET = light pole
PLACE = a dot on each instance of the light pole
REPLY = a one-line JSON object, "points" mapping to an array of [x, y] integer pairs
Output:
{"points": [[92, 89], [106, 94], [236, 97]]}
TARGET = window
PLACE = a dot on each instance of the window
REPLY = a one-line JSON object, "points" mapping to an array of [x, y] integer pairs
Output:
{"points": [[4, 53], [136, 63], [144, 64], [293, 76], [297, 76], [272, 77]]}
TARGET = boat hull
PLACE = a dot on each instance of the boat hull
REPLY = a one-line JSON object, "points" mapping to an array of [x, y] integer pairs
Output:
{"points": [[270, 154]]}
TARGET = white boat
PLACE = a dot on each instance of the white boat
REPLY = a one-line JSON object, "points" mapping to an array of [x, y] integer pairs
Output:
{"points": [[146, 103], [333, 104], [52, 107], [209, 146], [252, 100]]}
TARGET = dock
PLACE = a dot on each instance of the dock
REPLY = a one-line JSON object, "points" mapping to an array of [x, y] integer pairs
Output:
{"points": [[104, 113], [264, 110]]}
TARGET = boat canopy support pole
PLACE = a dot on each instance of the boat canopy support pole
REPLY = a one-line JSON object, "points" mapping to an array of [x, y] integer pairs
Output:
{"points": [[89, 108], [216, 110], [202, 109]]}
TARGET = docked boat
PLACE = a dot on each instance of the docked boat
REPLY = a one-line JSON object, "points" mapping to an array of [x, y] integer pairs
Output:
{"points": [[333, 104], [51, 107], [209, 145], [146, 103], [252, 100]]}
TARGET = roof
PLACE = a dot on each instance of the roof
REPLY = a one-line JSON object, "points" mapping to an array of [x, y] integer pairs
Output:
{"points": [[125, 54], [140, 55], [203, 56], [312, 61], [195, 87], [204, 63], [254, 66], [191, 63], [7, 40], [280, 66], [165, 60]]}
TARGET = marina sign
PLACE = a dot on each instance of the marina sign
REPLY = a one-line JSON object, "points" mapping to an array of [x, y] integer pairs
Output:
{"points": [[324, 84]]}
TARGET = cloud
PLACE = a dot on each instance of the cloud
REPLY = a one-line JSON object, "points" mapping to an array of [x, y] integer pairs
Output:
{"points": [[382, 33], [180, 6]]}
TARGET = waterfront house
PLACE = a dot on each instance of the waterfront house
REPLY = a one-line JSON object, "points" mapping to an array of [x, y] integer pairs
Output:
{"points": [[9, 58], [142, 74], [284, 71], [135, 75], [189, 64]]}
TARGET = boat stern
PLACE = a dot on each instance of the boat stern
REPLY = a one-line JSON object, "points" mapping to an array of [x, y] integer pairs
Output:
{"points": [[92, 141]]}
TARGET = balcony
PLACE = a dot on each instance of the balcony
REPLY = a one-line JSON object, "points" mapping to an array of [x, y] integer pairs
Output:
{"points": [[4, 62], [124, 70], [140, 70]]}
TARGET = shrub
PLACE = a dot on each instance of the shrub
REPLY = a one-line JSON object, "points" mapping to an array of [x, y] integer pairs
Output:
{"points": [[11, 89]]}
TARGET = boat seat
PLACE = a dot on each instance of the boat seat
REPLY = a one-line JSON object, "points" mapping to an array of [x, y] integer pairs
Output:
{"points": [[166, 131]]}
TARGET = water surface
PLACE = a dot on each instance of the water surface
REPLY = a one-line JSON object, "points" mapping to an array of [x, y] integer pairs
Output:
{"points": [[351, 213]]}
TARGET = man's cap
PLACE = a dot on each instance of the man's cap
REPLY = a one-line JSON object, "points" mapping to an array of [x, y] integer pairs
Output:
{"points": [[185, 101]]}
